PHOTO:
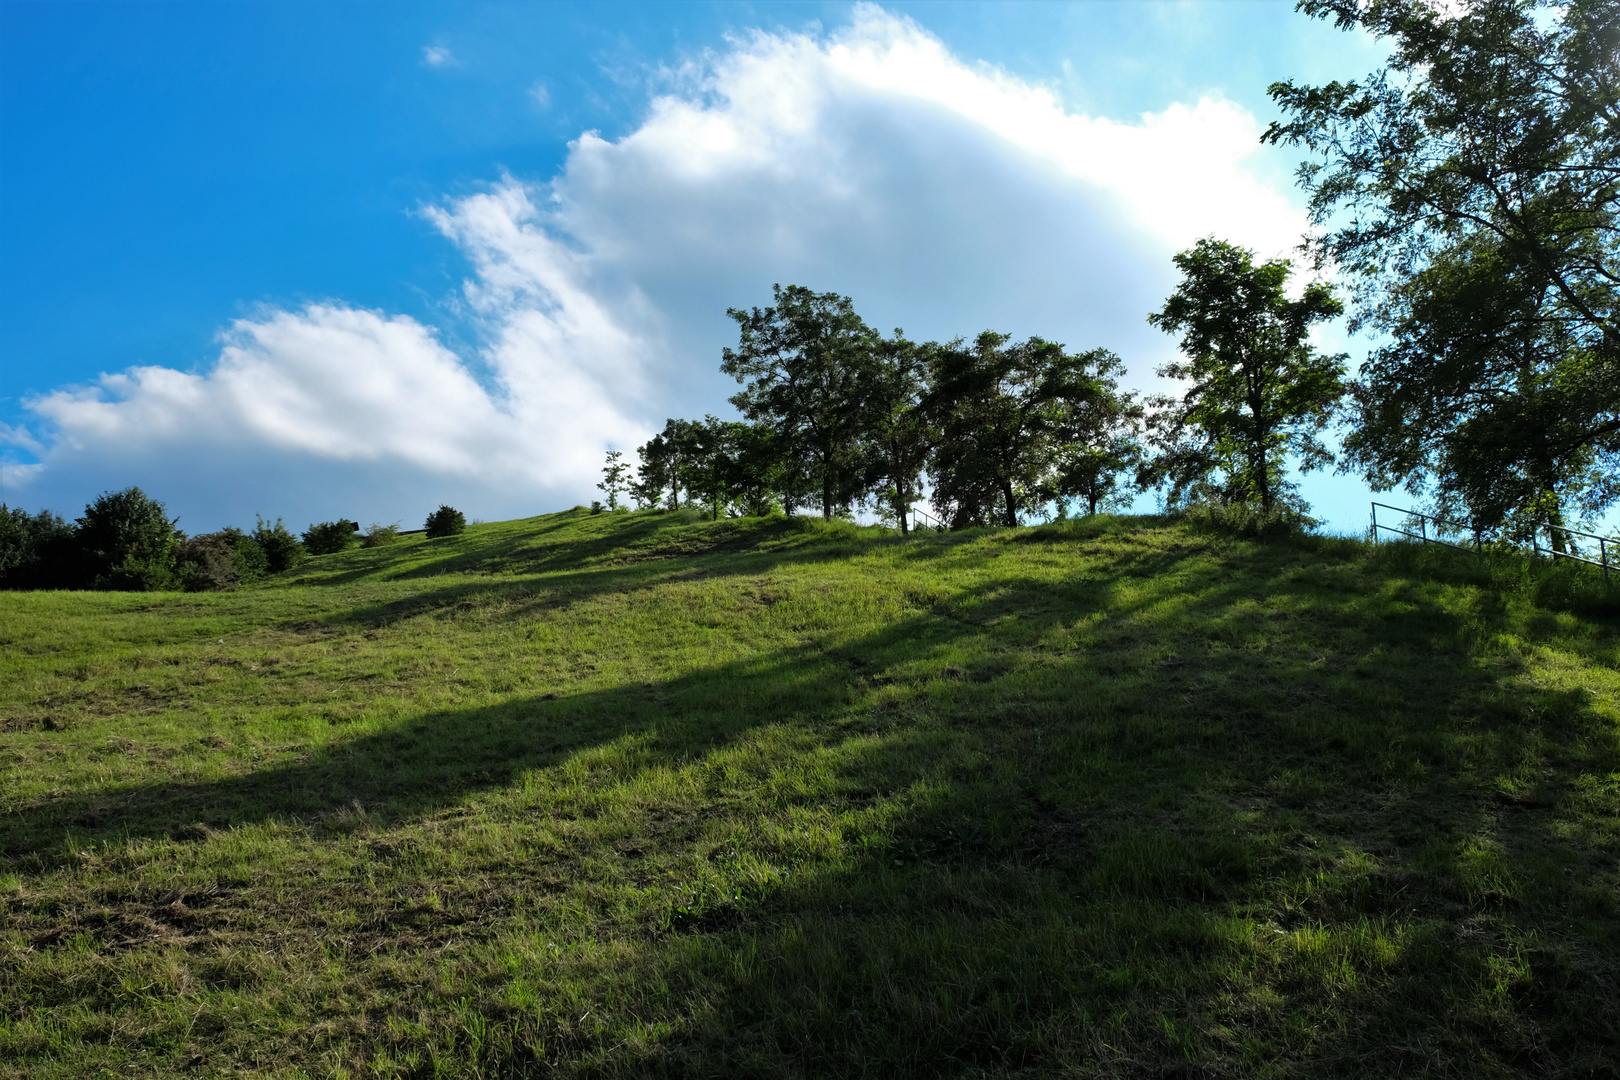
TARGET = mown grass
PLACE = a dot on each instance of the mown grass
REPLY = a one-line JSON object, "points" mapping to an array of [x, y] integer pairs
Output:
{"points": [[649, 795]]}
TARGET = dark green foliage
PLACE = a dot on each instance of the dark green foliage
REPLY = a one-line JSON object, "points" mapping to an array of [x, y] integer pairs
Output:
{"points": [[1099, 437], [899, 433], [1259, 391], [211, 562], [1471, 191], [1005, 417], [705, 463], [805, 363], [841, 416], [753, 469], [282, 551], [37, 551], [126, 541], [660, 474], [446, 521], [330, 537]]}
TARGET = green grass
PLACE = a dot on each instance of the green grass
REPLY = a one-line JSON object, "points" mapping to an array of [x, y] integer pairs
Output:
{"points": [[648, 795]]}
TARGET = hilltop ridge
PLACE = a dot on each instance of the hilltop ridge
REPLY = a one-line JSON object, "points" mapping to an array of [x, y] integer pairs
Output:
{"points": [[646, 794]]}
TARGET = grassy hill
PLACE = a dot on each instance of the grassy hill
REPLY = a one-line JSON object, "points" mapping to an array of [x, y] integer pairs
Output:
{"points": [[649, 795]]}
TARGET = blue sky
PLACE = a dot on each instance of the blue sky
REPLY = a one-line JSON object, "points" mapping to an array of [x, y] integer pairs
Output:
{"points": [[311, 260]]}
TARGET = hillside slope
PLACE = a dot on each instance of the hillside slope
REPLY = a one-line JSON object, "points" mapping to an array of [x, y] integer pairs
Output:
{"points": [[649, 795]]}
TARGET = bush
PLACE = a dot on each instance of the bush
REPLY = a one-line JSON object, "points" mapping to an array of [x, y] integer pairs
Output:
{"points": [[37, 551], [1248, 521], [211, 562], [281, 548], [445, 521], [380, 535], [330, 537], [127, 541]]}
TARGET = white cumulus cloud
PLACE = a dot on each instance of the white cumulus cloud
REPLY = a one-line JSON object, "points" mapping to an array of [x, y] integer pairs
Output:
{"points": [[944, 196]]}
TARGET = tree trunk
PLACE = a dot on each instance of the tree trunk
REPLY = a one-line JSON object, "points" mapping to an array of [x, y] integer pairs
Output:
{"points": [[1262, 465], [826, 487], [1012, 507], [1555, 521]]}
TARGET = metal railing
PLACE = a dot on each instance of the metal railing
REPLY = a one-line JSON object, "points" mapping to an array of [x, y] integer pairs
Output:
{"points": [[1573, 550], [1445, 525], [928, 520]]}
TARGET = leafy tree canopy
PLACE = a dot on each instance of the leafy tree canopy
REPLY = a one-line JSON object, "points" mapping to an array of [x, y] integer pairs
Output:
{"points": [[1257, 390], [1101, 438], [1003, 413], [128, 541], [1470, 191], [806, 363]]}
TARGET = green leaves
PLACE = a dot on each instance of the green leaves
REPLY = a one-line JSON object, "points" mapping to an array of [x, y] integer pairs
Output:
{"points": [[1471, 192], [806, 363], [1258, 390]]}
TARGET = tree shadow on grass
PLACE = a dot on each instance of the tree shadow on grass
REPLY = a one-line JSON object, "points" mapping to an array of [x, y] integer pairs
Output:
{"points": [[590, 540], [740, 549], [1192, 840]]}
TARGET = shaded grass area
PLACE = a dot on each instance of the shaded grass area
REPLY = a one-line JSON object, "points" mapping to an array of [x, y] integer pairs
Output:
{"points": [[648, 795]]}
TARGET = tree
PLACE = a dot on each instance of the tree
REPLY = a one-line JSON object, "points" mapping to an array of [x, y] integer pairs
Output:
{"points": [[662, 465], [704, 468], [615, 478], [331, 537], [1471, 192], [127, 541], [212, 562], [1259, 391], [805, 363], [1000, 412], [1101, 436], [445, 521], [754, 469], [37, 551], [282, 551], [899, 434], [654, 474]]}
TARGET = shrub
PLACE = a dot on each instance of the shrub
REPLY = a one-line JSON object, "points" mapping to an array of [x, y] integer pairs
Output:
{"points": [[330, 537], [127, 541], [281, 548], [445, 521], [210, 562], [596, 506], [380, 535], [1248, 521]]}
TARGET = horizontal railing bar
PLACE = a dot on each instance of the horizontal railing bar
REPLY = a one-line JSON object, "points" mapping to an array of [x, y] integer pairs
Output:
{"points": [[1425, 539], [1426, 517], [1577, 558], [1601, 562], [1577, 532]]}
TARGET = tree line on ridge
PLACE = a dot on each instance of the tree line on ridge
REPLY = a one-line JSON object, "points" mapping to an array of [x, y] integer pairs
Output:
{"points": [[1468, 196]]}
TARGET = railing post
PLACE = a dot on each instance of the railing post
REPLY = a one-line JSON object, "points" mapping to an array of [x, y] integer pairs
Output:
{"points": [[1423, 527], [1375, 522], [1603, 553]]}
